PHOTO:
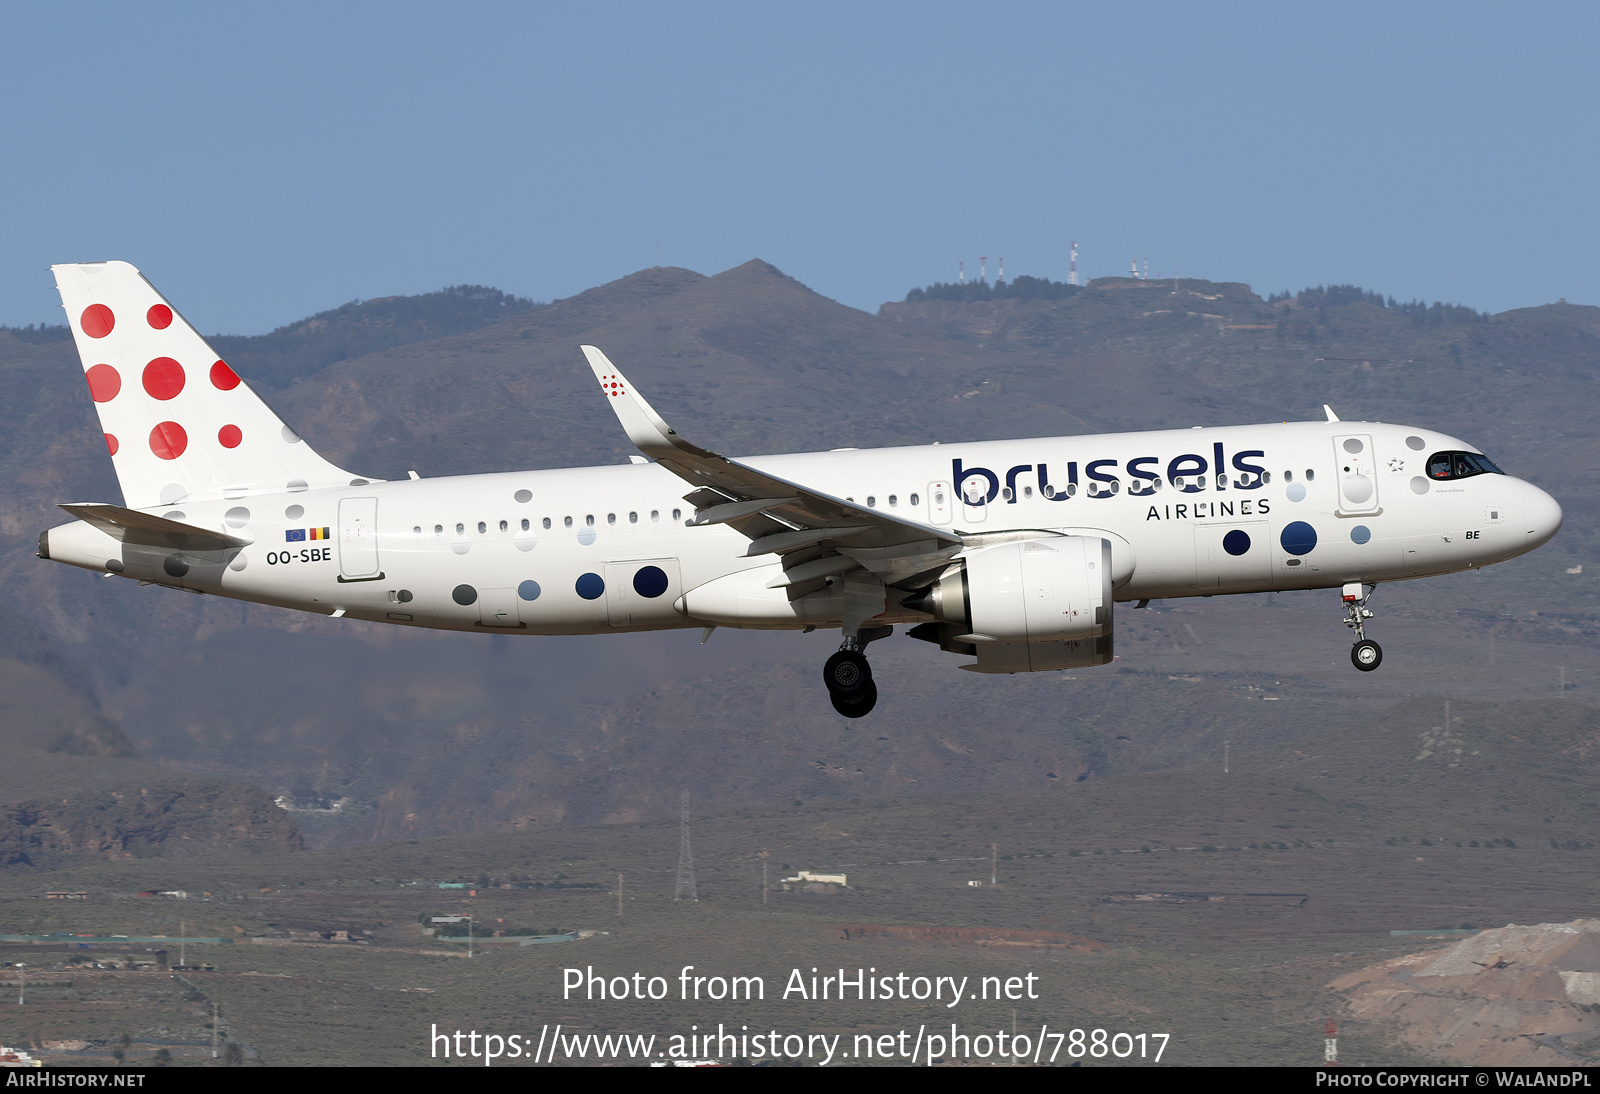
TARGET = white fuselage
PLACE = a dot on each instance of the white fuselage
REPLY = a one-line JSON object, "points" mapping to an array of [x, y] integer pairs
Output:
{"points": [[566, 551]]}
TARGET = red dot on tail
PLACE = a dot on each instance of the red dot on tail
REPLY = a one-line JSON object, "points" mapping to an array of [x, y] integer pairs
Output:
{"points": [[168, 440], [97, 321], [159, 316], [223, 377], [104, 383], [229, 436], [163, 378], [111, 443]]}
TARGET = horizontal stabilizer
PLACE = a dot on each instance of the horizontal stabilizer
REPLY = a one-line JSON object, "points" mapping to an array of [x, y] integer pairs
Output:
{"points": [[132, 526]]}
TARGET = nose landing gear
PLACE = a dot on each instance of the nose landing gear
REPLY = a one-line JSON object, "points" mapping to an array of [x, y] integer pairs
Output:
{"points": [[1366, 654]]}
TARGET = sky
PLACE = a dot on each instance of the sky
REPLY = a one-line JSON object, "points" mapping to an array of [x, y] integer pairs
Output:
{"points": [[263, 162]]}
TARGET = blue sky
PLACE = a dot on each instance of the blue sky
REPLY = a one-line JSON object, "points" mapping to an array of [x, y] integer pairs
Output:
{"points": [[260, 163]]}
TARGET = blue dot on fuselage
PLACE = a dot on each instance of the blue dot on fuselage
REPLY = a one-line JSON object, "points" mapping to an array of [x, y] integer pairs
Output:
{"points": [[528, 590], [650, 581], [591, 586], [1360, 534], [1298, 538], [1236, 542]]}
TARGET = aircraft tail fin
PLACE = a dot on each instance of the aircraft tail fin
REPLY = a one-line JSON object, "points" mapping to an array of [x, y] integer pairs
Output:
{"points": [[178, 421]]}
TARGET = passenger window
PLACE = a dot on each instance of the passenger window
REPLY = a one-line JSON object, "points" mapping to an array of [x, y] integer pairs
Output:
{"points": [[461, 529], [589, 520], [1027, 492], [482, 527], [633, 518], [1288, 476], [872, 502], [893, 500], [525, 524], [1310, 475], [917, 501], [676, 513], [1005, 492], [417, 531], [547, 522], [438, 529], [611, 518], [655, 514], [566, 521], [504, 525]]}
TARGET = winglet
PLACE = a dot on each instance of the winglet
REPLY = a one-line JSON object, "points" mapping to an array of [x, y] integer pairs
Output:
{"points": [[645, 428], [1328, 410]]}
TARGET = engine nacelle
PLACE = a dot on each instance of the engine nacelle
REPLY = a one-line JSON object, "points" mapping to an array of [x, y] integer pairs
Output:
{"points": [[1026, 606]]}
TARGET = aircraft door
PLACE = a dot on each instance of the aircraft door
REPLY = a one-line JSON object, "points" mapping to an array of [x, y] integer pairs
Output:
{"points": [[358, 539], [641, 592], [939, 503], [1357, 473], [1233, 555]]}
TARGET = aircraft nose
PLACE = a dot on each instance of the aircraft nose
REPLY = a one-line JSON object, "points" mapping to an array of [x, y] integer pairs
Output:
{"points": [[1543, 514]]}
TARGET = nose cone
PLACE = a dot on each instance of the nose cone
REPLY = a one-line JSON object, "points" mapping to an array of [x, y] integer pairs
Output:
{"points": [[1543, 515]]}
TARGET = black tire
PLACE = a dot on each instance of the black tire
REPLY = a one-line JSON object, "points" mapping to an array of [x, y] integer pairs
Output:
{"points": [[857, 705], [846, 672], [1366, 655]]}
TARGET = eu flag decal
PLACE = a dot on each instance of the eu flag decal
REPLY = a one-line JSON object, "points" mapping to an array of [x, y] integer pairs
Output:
{"points": [[294, 535]]}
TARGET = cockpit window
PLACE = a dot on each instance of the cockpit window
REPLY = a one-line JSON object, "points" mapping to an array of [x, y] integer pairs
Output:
{"points": [[1460, 465]]}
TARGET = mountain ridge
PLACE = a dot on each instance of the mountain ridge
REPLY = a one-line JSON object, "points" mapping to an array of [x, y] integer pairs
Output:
{"points": [[749, 361]]}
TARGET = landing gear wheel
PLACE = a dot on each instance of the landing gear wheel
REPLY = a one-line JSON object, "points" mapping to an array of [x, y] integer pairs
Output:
{"points": [[1366, 655], [847, 673], [859, 703]]}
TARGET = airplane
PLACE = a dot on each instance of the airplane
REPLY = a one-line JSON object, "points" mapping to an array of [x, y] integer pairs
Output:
{"points": [[1013, 553]]}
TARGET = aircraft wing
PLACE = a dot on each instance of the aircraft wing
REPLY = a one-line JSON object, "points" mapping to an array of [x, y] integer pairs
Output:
{"points": [[132, 526], [779, 516]]}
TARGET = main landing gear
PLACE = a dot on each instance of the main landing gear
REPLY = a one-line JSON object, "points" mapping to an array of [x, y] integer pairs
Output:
{"points": [[1366, 654], [848, 676]]}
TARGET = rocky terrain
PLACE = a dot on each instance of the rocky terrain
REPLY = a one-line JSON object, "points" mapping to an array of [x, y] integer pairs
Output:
{"points": [[1509, 997]]}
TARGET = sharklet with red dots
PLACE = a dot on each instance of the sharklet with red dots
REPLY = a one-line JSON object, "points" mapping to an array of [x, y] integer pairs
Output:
{"points": [[179, 423]]}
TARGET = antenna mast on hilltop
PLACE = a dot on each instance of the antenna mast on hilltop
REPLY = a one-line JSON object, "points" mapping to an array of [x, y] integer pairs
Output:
{"points": [[1000, 274], [961, 275], [685, 858], [1072, 270], [983, 269]]}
